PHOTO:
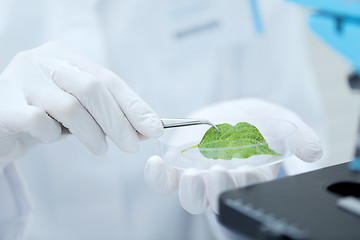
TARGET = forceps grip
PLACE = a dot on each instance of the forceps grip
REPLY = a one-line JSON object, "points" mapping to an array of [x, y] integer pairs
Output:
{"points": [[182, 122]]}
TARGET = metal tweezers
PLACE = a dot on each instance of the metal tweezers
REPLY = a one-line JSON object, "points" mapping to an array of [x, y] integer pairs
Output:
{"points": [[182, 122]]}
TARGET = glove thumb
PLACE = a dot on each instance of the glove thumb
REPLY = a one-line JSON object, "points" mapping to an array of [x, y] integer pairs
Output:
{"points": [[308, 144]]}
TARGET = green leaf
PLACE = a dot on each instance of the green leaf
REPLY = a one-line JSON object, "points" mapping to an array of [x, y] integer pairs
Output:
{"points": [[240, 141]]}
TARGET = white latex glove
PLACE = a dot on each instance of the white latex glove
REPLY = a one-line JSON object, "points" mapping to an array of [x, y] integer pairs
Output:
{"points": [[50, 87], [196, 189]]}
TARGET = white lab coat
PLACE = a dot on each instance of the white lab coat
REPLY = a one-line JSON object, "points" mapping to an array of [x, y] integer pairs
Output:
{"points": [[76, 195]]}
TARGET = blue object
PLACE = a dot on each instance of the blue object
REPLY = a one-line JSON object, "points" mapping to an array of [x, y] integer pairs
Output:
{"points": [[355, 164], [343, 34], [256, 16], [337, 22], [342, 8]]}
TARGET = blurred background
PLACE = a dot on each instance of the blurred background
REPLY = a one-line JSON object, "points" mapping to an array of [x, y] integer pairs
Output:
{"points": [[342, 105]]}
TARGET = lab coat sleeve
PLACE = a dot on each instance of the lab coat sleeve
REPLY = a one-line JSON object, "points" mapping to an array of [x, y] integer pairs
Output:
{"points": [[14, 204]]}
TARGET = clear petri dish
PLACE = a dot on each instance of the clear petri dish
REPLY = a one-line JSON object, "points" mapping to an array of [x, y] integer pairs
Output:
{"points": [[176, 146]]}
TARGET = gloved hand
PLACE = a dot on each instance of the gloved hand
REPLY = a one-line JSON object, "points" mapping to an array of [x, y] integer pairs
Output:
{"points": [[50, 87], [197, 189]]}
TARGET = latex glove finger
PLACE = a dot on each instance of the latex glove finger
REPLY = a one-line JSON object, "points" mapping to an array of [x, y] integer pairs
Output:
{"points": [[192, 192], [249, 175], [20, 117], [26, 119], [137, 112], [67, 110], [22, 125], [160, 178], [98, 101], [36, 122], [308, 144], [218, 180]]}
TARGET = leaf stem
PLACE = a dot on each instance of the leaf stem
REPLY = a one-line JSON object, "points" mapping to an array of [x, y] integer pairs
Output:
{"points": [[186, 149]]}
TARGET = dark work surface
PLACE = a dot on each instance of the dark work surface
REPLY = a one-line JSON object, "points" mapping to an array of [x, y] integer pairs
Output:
{"points": [[301, 202]]}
